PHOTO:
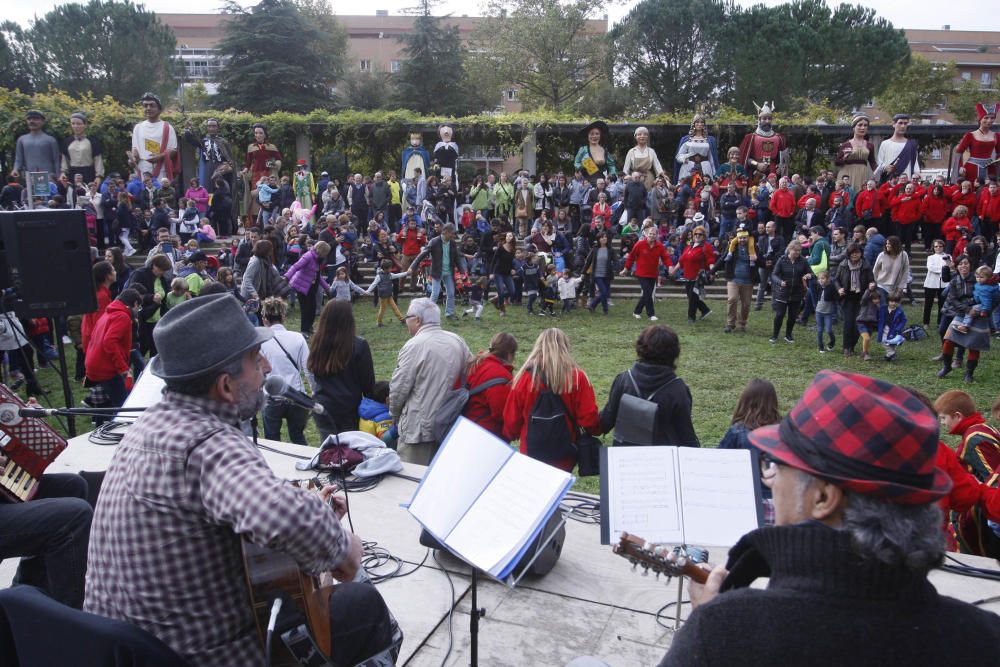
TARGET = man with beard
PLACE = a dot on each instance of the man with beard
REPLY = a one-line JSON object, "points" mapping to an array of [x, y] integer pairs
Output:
{"points": [[764, 151], [215, 171], [185, 485]]}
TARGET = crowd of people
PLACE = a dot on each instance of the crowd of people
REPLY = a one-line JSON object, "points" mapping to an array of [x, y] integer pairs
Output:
{"points": [[836, 246]]}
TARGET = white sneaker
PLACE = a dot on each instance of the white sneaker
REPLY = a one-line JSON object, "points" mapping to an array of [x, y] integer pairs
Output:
{"points": [[637, 316], [653, 318], [67, 340]]}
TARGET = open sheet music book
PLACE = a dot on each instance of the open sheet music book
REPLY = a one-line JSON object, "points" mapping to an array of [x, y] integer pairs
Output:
{"points": [[679, 495], [485, 501]]}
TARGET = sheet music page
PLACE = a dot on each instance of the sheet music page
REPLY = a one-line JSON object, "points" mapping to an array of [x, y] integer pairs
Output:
{"points": [[642, 493], [717, 495], [468, 459], [508, 513]]}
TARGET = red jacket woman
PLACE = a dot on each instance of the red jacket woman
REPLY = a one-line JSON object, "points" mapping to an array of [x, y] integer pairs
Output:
{"points": [[550, 359], [695, 258], [647, 258], [486, 408], [110, 344], [965, 198]]}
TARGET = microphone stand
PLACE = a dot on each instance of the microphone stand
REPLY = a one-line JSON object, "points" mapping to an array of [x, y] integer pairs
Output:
{"points": [[253, 427], [80, 412]]}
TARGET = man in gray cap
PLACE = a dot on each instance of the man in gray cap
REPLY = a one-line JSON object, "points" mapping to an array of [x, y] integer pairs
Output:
{"points": [[185, 485], [36, 150], [426, 369]]}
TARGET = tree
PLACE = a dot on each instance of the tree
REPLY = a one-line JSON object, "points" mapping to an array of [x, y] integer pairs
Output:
{"points": [[433, 79], [278, 58], [545, 48], [365, 91], [16, 58], [105, 47], [962, 101], [920, 87], [804, 50], [669, 51]]}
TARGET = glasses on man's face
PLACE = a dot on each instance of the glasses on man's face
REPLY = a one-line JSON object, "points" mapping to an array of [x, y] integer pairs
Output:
{"points": [[699, 234], [768, 466]]}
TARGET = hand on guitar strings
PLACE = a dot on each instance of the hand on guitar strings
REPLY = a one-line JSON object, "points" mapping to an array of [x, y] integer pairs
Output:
{"points": [[338, 503], [706, 592]]}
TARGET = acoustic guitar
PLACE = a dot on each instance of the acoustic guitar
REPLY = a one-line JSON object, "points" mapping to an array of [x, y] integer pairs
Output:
{"points": [[670, 561], [269, 574]]}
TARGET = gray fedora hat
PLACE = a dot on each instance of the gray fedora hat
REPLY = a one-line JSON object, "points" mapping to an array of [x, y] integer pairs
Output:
{"points": [[201, 335]]}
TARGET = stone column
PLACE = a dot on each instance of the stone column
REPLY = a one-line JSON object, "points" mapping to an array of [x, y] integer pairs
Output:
{"points": [[529, 151]]}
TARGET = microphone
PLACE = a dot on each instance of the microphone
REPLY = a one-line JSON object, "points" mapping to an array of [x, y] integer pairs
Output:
{"points": [[276, 387], [36, 412]]}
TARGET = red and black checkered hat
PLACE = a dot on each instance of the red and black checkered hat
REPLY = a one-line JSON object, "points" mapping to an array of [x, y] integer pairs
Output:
{"points": [[866, 435]]}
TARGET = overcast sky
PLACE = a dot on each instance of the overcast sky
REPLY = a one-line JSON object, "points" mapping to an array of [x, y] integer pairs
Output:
{"points": [[961, 14]]}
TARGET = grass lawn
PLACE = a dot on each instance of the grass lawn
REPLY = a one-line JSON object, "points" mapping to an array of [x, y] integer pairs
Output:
{"points": [[716, 366]]}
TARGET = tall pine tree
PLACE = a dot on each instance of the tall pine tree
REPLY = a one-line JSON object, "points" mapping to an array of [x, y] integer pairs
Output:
{"points": [[278, 59]]}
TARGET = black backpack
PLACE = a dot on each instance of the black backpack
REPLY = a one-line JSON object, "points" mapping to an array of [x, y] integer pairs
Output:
{"points": [[548, 436]]}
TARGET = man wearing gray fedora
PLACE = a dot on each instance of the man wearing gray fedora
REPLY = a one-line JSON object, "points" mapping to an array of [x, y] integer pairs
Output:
{"points": [[185, 485]]}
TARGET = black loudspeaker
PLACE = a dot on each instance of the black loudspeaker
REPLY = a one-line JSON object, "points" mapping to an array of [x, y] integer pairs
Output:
{"points": [[47, 258]]}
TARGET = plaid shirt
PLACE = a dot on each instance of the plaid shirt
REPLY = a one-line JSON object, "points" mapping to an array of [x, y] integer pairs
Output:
{"points": [[183, 486]]}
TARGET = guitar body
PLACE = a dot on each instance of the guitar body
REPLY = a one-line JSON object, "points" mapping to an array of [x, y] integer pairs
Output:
{"points": [[270, 574]]}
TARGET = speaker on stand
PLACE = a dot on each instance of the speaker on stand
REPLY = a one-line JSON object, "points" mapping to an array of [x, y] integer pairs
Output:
{"points": [[46, 271]]}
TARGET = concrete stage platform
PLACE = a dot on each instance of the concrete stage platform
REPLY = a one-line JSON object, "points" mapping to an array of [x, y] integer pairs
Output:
{"points": [[591, 603]]}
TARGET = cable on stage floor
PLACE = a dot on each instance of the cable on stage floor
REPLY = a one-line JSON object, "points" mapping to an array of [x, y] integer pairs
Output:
{"points": [[451, 610], [659, 613], [964, 570], [579, 507], [108, 433]]}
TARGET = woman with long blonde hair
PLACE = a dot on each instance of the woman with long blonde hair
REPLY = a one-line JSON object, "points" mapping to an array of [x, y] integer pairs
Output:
{"points": [[551, 370]]}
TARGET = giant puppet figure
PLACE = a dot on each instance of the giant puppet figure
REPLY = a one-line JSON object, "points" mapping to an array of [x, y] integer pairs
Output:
{"points": [[897, 154], [594, 159], [764, 151], [81, 153], [696, 151], [262, 159], [983, 146], [446, 155], [415, 156], [215, 156], [154, 143]]}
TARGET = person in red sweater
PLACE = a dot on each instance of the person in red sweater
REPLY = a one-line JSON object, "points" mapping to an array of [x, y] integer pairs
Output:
{"points": [[979, 455], [412, 238], [867, 205], [782, 205], [965, 196], [934, 211], [989, 210], [104, 277], [698, 256], [906, 215], [956, 231], [551, 366], [646, 256], [497, 363], [107, 356]]}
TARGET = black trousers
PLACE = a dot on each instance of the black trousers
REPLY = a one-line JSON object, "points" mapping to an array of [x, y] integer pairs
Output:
{"points": [[931, 295], [50, 535], [780, 310], [695, 303], [850, 306], [307, 302], [646, 300]]}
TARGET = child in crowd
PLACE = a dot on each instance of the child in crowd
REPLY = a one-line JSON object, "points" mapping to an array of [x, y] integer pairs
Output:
{"points": [[867, 319], [383, 283], [267, 187], [550, 293], [518, 267], [179, 293], [531, 280], [567, 289], [375, 416], [205, 233], [826, 310], [984, 299], [342, 286], [477, 292], [891, 322]]}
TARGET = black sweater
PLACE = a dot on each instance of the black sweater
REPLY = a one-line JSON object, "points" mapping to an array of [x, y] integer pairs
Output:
{"points": [[826, 606], [341, 394], [673, 417]]}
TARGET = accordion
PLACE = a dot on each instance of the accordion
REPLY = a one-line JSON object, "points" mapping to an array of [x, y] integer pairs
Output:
{"points": [[29, 444]]}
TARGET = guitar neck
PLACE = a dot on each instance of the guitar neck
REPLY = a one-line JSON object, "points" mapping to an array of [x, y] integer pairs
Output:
{"points": [[671, 561]]}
